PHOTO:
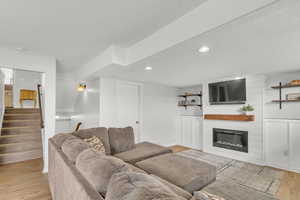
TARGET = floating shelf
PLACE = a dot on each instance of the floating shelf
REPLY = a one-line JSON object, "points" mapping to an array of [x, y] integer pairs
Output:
{"points": [[284, 86], [280, 87], [187, 105], [230, 117], [285, 101], [190, 95]]}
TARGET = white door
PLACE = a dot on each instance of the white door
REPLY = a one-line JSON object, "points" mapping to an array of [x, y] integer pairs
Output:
{"points": [[128, 106], [191, 131], [277, 143], [294, 132]]}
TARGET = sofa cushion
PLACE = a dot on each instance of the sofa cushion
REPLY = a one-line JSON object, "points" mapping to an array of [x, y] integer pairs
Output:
{"points": [[59, 139], [177, 190], [142, 151], [187, 173], [121, 139], [73, 146], [136, 169], [99, 170], [100, 132], [137, 186], [88, 154]]}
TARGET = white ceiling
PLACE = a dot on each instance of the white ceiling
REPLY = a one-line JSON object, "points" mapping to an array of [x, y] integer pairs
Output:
{"points": [[263, 42], [76, 30]]}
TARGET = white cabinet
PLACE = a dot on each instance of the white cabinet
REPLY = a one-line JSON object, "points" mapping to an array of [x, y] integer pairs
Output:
{"points": [[276, 144], [294, 134], [191, 131], [282, 144]]}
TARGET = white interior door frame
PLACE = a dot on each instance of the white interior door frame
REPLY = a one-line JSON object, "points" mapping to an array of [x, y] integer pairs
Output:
{"points": [[140, 106]]}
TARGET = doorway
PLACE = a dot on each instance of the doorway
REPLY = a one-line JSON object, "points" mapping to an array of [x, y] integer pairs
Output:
{"points": [[21, 116], [129, 106]]}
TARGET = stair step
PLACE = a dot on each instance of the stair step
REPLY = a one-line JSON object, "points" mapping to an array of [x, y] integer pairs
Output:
{"points": [[21, 123], [20, 156], [22, 116], [19, 147], [7, 139], [20, 130], [22, 110]]}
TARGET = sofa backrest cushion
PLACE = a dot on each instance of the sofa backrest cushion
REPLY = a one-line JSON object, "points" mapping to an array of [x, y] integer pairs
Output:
{"points": [[59, 139], [100, 132], [121, 139], [137, 186], [73, 146], [98, 169], [88, 154]]}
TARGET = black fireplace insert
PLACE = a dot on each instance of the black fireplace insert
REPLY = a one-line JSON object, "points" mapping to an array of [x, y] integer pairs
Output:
{"points": [[231, 139]]}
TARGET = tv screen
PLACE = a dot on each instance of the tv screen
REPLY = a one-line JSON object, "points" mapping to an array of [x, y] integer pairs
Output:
{"points": [[228, 92]]}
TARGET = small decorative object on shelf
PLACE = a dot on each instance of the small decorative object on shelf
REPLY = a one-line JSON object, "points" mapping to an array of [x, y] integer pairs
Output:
{"points": [[294, 82], [293, 96], [247, 109], [189, 103]]}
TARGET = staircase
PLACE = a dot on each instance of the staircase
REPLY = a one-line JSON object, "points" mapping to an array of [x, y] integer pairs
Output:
{"points": [[20, 137]]}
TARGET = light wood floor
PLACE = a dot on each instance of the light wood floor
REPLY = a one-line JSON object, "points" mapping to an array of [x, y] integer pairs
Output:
{"points": [[25, 181]]}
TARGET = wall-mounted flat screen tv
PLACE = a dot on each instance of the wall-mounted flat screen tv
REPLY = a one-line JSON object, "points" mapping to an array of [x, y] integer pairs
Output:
{"points": [[228, 92]]}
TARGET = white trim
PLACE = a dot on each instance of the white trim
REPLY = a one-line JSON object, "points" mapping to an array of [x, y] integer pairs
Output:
{"points": [[47, 65]]}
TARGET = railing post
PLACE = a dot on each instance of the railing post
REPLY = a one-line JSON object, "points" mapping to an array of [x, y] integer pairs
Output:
{"points": [[40, 105]]}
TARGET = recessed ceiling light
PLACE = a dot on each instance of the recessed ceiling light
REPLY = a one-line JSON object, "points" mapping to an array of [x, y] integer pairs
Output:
{"points": [[148, 68], [238, 77], [20, 49], [204, 49]]}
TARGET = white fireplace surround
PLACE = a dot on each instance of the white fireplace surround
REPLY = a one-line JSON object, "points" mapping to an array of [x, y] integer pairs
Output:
{"points": [[255, 89]]}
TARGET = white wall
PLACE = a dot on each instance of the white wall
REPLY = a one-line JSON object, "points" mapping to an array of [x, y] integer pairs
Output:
{"points": [[46, 65], [160, 112], [255, 90], [2, 96], [86, 107], [25, 80], [66, 94], [289, 110]]}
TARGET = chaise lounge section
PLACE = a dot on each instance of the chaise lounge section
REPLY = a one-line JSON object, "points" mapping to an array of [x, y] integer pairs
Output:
{"points": [[81, 173]]}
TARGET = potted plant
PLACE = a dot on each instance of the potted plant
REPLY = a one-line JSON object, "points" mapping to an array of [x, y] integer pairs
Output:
{"points": [[247, 109]]}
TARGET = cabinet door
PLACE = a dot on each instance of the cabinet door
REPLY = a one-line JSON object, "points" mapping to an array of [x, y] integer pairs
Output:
{"points": [[191, 132], [276, 141], [294, 152]]}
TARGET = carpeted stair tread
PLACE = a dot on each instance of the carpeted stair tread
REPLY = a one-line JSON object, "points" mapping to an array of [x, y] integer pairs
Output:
{"points": [[20, 137], [7, 158]]}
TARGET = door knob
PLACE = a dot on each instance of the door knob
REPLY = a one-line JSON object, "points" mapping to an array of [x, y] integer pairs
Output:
{"points": [[137, 122]]}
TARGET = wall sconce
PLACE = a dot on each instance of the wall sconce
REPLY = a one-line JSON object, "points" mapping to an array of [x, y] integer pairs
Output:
{"points": [[81, 87]]}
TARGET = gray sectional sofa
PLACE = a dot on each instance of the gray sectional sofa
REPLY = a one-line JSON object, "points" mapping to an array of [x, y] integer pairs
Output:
{"points": [[128, 171]]}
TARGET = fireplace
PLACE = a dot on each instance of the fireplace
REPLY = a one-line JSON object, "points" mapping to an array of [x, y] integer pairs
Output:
{"points": [[231, 139]]}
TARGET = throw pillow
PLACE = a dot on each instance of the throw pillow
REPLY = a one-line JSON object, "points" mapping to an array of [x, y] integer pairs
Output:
{"points": [[96, 144]]}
